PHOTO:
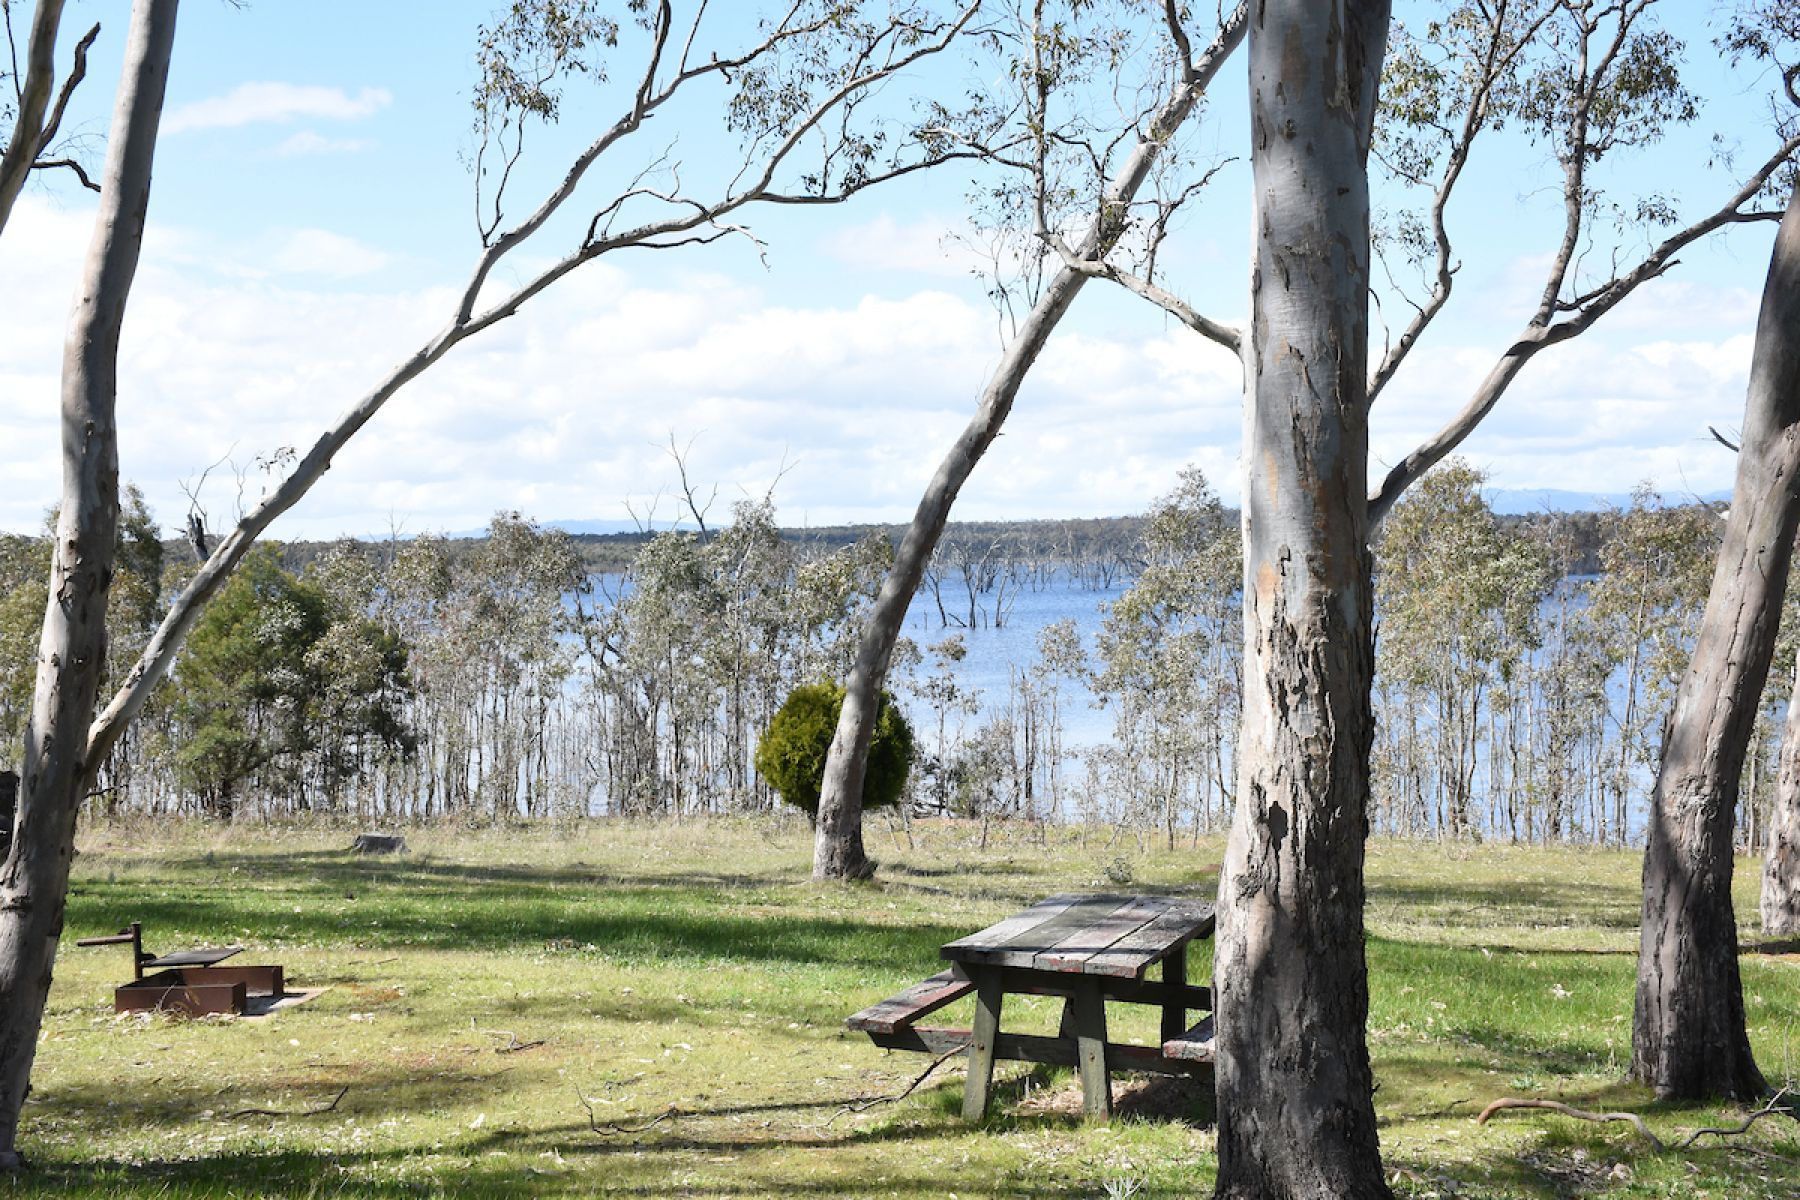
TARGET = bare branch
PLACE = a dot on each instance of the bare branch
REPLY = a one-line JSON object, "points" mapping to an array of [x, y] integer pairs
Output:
{"points": [[34, 98], [1537, 335], [1774, 1108], [47, 164], [1228, 336], [77, 72], [1633, 1119], [697, 223]]}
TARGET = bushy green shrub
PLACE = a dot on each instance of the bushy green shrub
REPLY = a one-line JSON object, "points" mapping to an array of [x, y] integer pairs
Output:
{"points": [[791, 754]]}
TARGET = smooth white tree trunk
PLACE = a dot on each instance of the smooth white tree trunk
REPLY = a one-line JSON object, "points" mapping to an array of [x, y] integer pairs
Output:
{"points": [[59, 770], [838, 851], [1296, 1114], [1781, 858]]}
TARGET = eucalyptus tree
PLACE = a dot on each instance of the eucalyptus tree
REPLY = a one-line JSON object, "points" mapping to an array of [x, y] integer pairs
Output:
{"points": [[1057, 53], [1294, 1084], [1169, 650], [796, 91], [1688, 1033], [1457, 594], [1646, 608], [33, 117], [61, 761]]}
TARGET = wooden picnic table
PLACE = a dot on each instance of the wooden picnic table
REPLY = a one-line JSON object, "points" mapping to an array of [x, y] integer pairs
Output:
{"points": [[1089, 950]]}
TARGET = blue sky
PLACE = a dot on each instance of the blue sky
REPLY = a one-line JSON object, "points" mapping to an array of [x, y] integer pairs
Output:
{"points": [[312, 217]]}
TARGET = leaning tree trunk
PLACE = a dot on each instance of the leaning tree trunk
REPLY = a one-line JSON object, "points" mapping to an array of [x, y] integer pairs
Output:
{"points": [[1296, 1115], [838, 846], [1781, 861], [1687, 1034], [59, 769], [33, 103]]}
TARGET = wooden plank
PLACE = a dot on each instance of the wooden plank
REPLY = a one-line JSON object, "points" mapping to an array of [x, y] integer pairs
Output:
{"points": [[907, 1007], [1025, 1047], [1174, 1012], [967, 949], [988, 995], [1134, 953], [1073, 952], [1028, 982], [1090, 1052], [1196, 1045], [1022, 947]]}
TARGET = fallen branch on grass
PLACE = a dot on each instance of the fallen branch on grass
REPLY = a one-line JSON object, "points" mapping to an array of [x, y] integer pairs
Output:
{"points": [[867, 1102], [611, 1128], [1636, 1121], [305, 1112], [514, 1045], [1772, 1108]]}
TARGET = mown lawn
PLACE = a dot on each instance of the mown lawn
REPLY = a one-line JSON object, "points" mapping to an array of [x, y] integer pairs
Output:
{"points": [[655, 1010]]}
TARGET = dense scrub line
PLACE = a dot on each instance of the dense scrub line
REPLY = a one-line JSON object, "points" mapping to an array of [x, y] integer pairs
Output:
{"points": [[1517, 696]]}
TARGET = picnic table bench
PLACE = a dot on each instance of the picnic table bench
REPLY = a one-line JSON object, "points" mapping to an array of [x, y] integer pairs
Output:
{"points": [[1087, 949]]}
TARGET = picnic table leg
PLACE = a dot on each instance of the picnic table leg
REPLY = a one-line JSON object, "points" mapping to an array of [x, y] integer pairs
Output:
{"points": [[1090, 1047], [981, 1044], [1174, 1015]]}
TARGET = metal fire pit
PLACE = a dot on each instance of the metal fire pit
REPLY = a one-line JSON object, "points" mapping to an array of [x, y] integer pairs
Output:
{"points": [[189, 981]]}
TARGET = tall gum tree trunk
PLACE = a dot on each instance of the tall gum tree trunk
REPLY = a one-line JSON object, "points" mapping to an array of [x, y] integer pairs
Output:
{"points": [[1296, 1113], [838, 851], [59, 770], [1688, 1039], [1781, 859]]}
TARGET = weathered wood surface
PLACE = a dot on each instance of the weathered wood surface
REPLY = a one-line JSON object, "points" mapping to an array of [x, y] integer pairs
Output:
{"points": [[1027, 981], [1120, 936], [982, 1042], [1196, 1045], [1027, 1047], [897, 1012]]}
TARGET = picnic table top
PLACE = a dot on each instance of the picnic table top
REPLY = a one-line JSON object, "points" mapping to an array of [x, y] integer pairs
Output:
{"points": [[1077, 934]]}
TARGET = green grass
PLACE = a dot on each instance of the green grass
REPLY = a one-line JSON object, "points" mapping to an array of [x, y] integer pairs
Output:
{"points": [[693, 974]]}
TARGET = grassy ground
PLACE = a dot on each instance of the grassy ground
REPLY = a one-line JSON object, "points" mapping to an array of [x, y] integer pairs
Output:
{"points": [[657, 1011]]}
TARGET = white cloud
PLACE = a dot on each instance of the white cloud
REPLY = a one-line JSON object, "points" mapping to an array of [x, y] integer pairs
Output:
{"points": [[565, 410], [929, 245], [307, 143], [321, 252], [252, 103]]}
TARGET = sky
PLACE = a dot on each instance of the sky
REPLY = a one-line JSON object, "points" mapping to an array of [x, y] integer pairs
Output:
{"points": [[312, 221]]}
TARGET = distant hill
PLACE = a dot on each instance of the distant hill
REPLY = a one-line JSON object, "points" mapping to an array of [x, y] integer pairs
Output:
{"points": [[1520, 502]]}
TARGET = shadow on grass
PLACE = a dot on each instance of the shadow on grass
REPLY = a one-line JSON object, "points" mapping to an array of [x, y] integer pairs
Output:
{"points": [[1581, 902], [440, 906], [505, 1164]]}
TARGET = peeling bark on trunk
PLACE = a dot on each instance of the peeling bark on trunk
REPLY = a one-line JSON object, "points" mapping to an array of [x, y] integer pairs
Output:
{"points": [[838, 845], [1688, 1039], [1296, 1114], [59, 770], [1781, 860]]}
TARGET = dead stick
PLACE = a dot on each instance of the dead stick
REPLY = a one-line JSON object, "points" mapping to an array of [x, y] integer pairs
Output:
{"points": [[614, 1128], [305, 1112], [1772, 1108], [1636, 1121], [868, 1102]]}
